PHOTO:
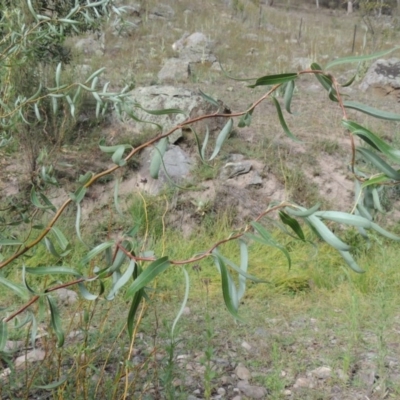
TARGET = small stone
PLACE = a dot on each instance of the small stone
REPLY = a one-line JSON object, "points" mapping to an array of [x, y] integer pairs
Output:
{"points": [[246, 346], [221, 391], [243, 373], [182, 357], [197, 391], [254, 392], [302, 383], [176, 382], [342, 375], [237, 398], [186, 311], [287, 392], [67, 297], [30, 356], [322, 372]]}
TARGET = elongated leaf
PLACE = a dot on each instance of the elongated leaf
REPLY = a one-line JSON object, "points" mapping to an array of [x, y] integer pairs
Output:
{"points": [[376, 180], [95, 74], [228, 288], [50, 248], [384, 232], [287, 99], [56, 321], [165, 111], [61, 239], [245, 120], [226, 130], [10, 242], [266, 238], [157, 157], [380, 164], [283, 122], [137, 298], [184, 301], [148, 275], [35, 201], [117, 156], [84, 179], [209, 99], [52, 385], [326, 234], [352, 59], [274, 79], [86, 294], [40, 271], [58, 75], [325, 81], [350, 262], [293, 224], [244, 263], [3, 334], [123, 280], [205, 142], [96, 251], [374, 112], [78, 196], [373, 140], [377, 202], [344, 218], [113, 149], [302, 212], [78, 223]]}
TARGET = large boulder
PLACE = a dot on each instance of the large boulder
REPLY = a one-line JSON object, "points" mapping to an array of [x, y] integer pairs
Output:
{"points": [[195, 48], [383, 76], [167, 97]]}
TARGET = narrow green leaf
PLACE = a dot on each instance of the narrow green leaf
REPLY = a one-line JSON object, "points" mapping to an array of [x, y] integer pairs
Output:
{"points": [[52, 385], [293, 224], [123, 280], [137, 298], [325, 81], [165, 111], [53, 270], [205, 142], [148, 275], [287, 99], [384, 232], [95, 74], [245, 120], [50, 247], [10, 242], [344, 218], [326, 234], [58, 75], [274, 79], [54, 105], [86, 294], [113, 149], [35, 201], [56, 321], [374, 112], [376, 180], [61, 239], [228, 288], [184, 301], [283, 122], [117, 156], [244, 263], [352, 59], [377, 202], [84, 179], [157, 158], [37, 112], [78, 196], [78, 223], [372, 140], [226, 130], [380, 164], [350, 262], [3, 334], [96, 251], [209, 99], [26, 282]]}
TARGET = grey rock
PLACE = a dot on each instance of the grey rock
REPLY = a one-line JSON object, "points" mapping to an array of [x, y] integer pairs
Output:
{"points": [[162, 97], [174, 70], [195, 48], [246, 346], [302, 383], [382, 73], [254, 392], [90, 46], [29, 357], [66, 296], [322, 372], [242, 373], [177, 164], [14, 345], [232, 169], [221, 391]]}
